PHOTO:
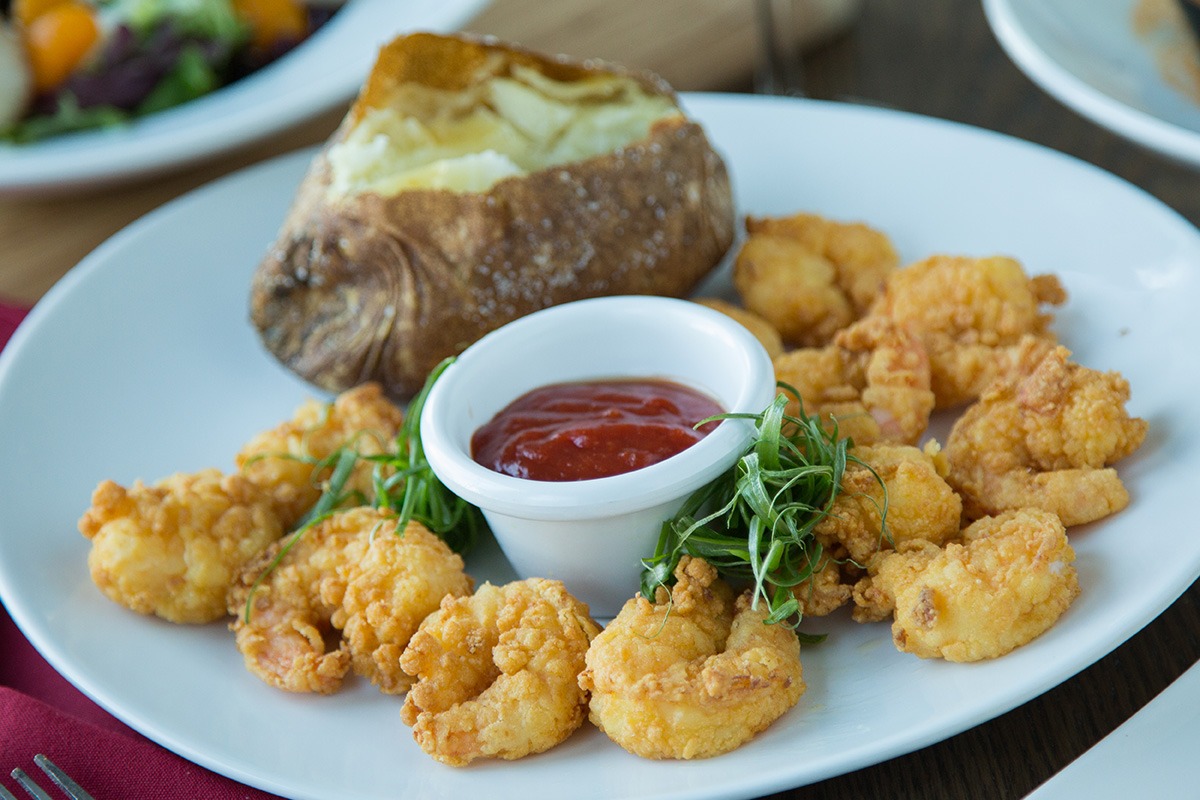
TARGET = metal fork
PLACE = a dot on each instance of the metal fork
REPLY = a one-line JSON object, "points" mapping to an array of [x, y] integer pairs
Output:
{"points": [[60, 778]]}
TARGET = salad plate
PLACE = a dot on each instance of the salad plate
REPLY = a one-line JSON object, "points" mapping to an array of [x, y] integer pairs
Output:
{"points": [[1131, 66], [142, 362], [321, 72]]}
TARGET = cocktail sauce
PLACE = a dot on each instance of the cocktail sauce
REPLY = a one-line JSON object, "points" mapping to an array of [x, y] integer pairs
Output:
{"points": [[592, 429]]}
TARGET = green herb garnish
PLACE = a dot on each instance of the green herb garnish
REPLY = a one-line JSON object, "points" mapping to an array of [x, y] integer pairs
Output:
{"points": [[402, 481], [755, 522], [414, 492]]}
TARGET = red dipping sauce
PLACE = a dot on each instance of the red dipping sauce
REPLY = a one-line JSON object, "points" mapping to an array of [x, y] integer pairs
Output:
{"points": [[592, 429]]}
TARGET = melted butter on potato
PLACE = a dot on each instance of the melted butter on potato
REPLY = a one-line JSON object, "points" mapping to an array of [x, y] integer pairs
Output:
{"points": [[429, 138]]}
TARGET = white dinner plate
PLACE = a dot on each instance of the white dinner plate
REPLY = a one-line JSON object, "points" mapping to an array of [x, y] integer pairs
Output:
{"points": [[320, 73], [1093, 57], [142, 362], [1157, 745]]}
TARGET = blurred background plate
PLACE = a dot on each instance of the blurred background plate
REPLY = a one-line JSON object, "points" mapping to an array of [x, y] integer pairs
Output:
{"points": [[326, 70], [1132, 66]]}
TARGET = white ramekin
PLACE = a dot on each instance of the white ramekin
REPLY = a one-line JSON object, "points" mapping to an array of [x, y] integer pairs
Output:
{"points": [[593, 534]]}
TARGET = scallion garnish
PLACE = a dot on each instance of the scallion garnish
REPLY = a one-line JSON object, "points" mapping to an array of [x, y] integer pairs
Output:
{"points": [[421, 495], [402, 481], [755, 522]]}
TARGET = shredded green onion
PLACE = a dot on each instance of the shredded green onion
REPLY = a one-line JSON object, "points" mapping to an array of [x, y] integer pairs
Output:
{"points": [[403, 482], [755, 522], [422, 496]]}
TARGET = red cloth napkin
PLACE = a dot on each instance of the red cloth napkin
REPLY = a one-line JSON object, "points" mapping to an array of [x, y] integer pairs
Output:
{"points": [[10, 317], [41, 712]]}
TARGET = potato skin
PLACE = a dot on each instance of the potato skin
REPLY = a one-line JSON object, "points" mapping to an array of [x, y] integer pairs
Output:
{"points": [[380, 288]]}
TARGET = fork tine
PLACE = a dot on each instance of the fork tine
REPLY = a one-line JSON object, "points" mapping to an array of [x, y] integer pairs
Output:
{"points": [[62, 779], [27, 783], [5, 794]]}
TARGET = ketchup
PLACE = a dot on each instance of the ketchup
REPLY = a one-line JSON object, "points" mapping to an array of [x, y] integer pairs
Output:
{"points": [[592, 429]]}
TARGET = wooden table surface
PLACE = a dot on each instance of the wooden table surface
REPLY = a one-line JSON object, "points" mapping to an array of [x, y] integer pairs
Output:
{"points": [[934, 57]]}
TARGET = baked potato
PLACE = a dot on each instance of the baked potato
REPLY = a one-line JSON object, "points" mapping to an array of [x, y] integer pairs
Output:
{"points": [[473, 182]]}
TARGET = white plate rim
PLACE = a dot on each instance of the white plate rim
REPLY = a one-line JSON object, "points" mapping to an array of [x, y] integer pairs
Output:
{"points": [[1153, 132]]}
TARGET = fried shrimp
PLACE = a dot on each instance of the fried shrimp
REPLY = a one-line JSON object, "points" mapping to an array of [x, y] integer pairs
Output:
{"points": [[1005, 584], [763, 330], [400, 580], [1046, 439], [694, 674], [974, 316], [873, 380], [906, 482], [497, 672], [174, 548], [347, 593], [830, 586], [289, 640], [809, 276], [284, 460]]}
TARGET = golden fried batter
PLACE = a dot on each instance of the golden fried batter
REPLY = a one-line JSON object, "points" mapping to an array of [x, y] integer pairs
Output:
{"points": [[971, 314], [353, 571], [764, 331], [400, 580], [694, 674], [809, 276], [873, 380], [1007, 583], [829, 588], [497, 672], [920, 506], [289, 640], [283, 460], [173, 549], [1046, 439]]}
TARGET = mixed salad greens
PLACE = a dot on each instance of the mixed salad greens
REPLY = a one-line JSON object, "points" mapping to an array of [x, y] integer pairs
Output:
{"points": [[70, 65]]}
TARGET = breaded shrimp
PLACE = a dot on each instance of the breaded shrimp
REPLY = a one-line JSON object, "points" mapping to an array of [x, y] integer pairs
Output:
{"points": [[1007, 583], [289, 640], [829, 587], [173, 549], [971, 314], [873, 380], [283, 460], [694, 674], [351, 569], [497, 672], [809, 276], [920, 506], [764, 331], [400, 580], [920, 503], [1046, 439]]}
